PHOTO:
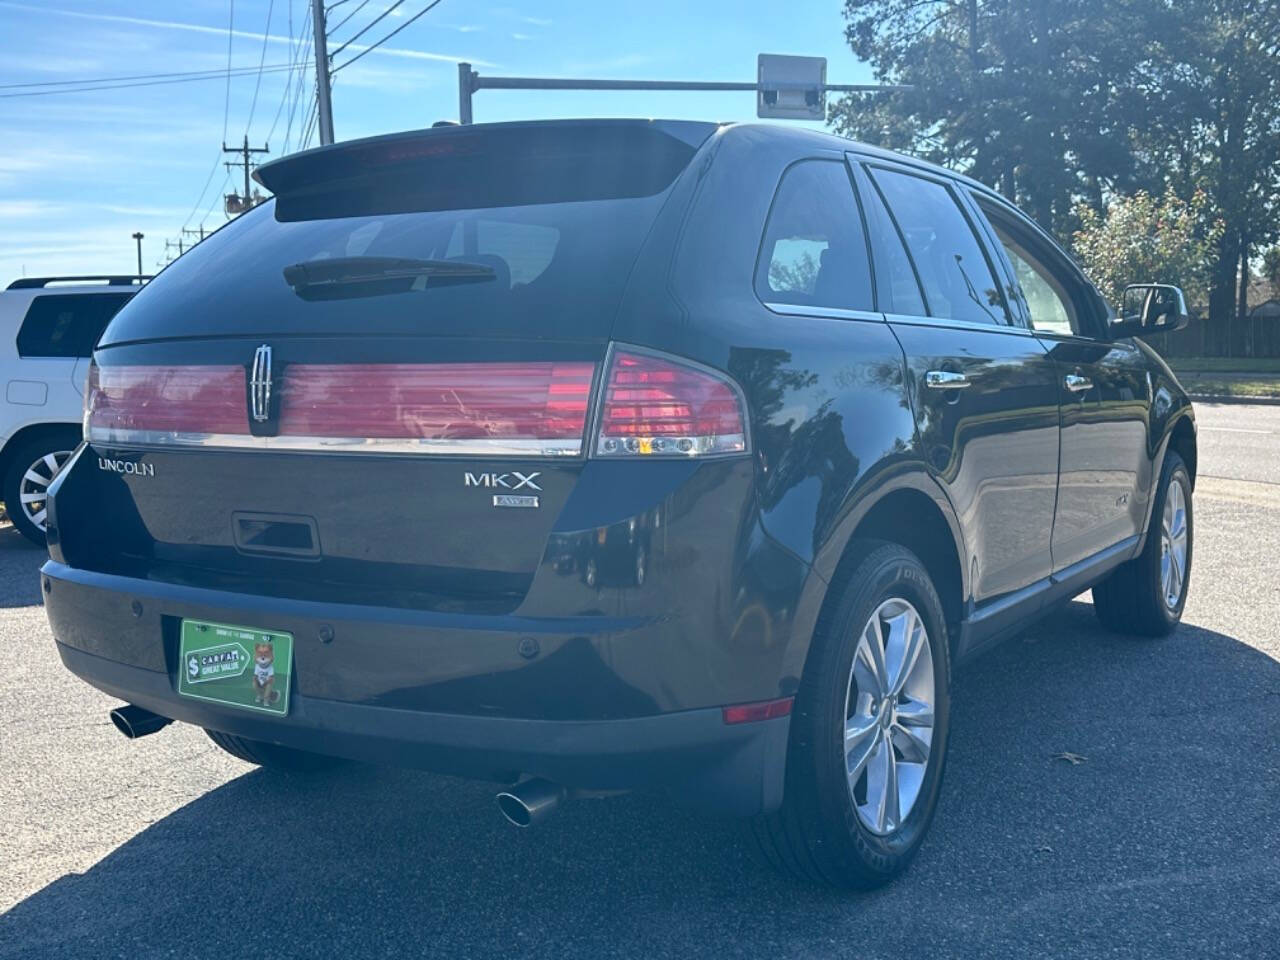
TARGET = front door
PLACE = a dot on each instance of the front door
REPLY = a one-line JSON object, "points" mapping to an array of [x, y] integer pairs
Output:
{"points": [[1105, 475], [984, 389]]}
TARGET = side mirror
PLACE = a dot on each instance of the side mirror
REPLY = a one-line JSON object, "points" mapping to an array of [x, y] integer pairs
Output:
{"points": [[1150, 308]]}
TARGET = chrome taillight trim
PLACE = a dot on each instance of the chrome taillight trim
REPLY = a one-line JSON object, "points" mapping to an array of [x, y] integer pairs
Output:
{"points": [[480, 446], [595, 449]]}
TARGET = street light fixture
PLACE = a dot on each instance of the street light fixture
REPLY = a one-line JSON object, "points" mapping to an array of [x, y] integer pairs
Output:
{"points": [[138, 237]]}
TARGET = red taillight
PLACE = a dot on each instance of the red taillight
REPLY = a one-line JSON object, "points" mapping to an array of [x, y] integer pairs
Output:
{"points": [[657, 406], [755, 712], [148, 404], [465, 401], [651, 405]]}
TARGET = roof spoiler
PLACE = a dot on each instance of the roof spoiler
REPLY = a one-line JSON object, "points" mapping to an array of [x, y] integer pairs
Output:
{"points": [[353, 159], [112, 280]]}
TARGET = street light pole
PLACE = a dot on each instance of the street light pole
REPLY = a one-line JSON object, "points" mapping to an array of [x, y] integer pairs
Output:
{"points": [[138, 237]]}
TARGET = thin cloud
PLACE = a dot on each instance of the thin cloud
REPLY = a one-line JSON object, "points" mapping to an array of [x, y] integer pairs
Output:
{"points": [[220, 32]]}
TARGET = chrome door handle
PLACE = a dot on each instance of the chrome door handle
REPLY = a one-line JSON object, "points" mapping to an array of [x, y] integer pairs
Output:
{"points": [[1076, 383], [946, 380]]}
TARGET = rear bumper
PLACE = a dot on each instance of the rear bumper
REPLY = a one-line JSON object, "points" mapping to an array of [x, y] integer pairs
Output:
{"points": [[115, 633]]}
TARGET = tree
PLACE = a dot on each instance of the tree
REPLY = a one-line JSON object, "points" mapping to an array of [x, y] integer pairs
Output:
{"points": [[1033, 98], [1146, 239], [1271, 270], [1076, 101], [1213, 77]]}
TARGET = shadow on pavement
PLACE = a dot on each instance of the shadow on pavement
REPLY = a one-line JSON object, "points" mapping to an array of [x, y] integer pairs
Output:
{"points": [[20, 561], [1162, 842]]}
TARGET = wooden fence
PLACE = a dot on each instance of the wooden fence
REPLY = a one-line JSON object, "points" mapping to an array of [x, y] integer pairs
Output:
{"points": [[1252, 337]]}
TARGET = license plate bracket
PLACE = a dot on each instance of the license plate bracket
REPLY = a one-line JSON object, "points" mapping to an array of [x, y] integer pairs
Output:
{"points": [[243, 667]]}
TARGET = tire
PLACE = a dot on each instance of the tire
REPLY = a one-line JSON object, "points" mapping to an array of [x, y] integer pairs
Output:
{"points": [[822, 832], [272, 755], [1132, 599], [29, 474]]}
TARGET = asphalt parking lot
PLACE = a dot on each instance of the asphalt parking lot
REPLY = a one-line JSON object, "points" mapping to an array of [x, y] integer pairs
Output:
{"points": [[1162, 839]]}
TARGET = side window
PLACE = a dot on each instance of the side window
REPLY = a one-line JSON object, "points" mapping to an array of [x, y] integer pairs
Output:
{"points": [[895, 276], [1045, 296], [954, 272], [67, 325], [814, 251]]}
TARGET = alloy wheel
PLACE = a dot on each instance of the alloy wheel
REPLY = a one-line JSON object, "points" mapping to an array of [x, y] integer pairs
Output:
{"points": [[1173, 545], [33, 491], [888, 728]]}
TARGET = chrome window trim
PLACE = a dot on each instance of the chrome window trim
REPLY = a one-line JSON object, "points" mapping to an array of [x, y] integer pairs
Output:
{"points": [[833, 313], [919, 321], [480, 446]]}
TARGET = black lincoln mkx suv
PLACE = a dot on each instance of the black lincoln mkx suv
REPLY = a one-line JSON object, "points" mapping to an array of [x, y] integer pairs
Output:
{"points": [[590, 456]]}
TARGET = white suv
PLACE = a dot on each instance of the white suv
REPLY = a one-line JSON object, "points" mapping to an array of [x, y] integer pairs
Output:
{"points": [[48, 328]]}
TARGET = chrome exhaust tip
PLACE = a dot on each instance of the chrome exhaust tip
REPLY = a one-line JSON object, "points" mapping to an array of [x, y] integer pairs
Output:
{"points": [[530, 801], [135, 722]]}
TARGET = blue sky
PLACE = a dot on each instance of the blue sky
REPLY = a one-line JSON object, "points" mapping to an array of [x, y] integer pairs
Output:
{"points": [[80, 172]]}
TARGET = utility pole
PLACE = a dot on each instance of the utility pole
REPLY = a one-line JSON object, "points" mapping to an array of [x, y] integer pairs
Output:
{"points": [[187, 231], [245, 151], [324, 94], [138, 238]]}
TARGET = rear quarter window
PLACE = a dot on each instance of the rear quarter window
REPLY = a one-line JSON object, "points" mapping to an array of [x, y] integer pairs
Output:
{"points": [[66, 325], [814, 251]]}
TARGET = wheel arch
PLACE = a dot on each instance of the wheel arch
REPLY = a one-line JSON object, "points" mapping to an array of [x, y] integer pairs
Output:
{"points": [[33, 431], [1182, 440], [912, 512]]}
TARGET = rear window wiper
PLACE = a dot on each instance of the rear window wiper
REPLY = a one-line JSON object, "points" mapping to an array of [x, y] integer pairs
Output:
{"points": [[336, 277]]}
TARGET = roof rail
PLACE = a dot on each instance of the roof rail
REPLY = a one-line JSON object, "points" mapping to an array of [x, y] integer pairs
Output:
{"points": [[116, 280]]}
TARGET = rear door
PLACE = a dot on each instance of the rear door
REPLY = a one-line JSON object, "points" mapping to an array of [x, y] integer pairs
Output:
{"points": [[1105, 391], [984, 389]]}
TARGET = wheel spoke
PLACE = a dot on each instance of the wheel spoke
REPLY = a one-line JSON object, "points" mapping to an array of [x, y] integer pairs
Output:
{"points": [[37, 497], [887, 808], [32, 477], [902, 650], [860, 743], [871, 654], [915, 713], [1175, 579], [51, 462], [913, 742], [38, 519]]}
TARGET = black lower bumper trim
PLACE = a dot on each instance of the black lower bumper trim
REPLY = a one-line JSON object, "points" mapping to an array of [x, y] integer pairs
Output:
{"points": [[735, 769]]}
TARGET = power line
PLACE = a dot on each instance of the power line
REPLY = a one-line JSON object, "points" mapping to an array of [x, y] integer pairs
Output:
{"points": [[214, 74], [203, 190], [220, 195], [231, 32], [144, 83], [367, 27], [295, 58], [298, 92], [262, 58], [375, 46], [343, 21]]}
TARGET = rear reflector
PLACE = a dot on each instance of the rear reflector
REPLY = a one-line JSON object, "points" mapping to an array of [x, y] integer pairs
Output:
{"points": [[754, 712], [659, 406], [130, 404]]}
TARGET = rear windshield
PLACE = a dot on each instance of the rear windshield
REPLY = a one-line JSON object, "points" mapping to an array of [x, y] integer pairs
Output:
{"points": [[553, 269]]}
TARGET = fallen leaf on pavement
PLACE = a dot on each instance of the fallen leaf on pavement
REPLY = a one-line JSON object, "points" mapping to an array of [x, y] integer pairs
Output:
{"points": [[1072, 758]]}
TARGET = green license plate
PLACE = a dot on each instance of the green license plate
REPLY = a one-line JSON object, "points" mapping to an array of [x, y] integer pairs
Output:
{"points": [[237, 666]]}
